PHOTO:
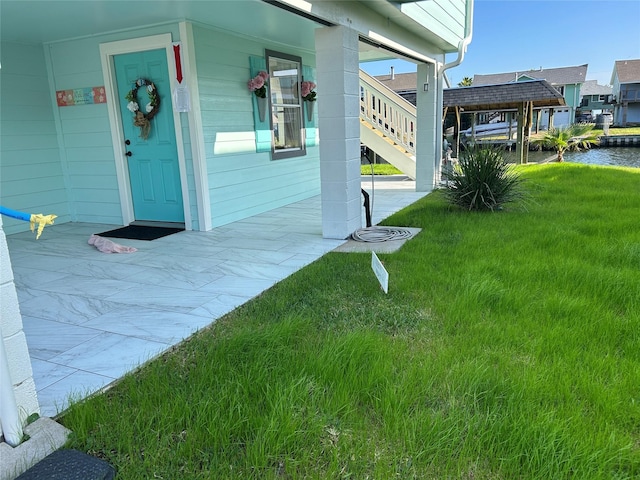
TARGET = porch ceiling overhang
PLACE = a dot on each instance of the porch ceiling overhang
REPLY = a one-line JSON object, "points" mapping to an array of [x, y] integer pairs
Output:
{"points": [[44, 21], [506, 96], [34, 22], [392, 11]]}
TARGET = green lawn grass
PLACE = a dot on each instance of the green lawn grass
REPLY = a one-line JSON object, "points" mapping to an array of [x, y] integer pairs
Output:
{"points": [[508, 347], [379, 169], [621, 131]]}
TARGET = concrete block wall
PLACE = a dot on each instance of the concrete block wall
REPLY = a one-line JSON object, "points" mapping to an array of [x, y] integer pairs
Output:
{"points": [[338, 72], [12, 334]]}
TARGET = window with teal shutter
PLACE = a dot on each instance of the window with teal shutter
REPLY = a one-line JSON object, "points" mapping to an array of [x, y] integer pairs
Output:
{"points": [[281, 122], [287, 121]]}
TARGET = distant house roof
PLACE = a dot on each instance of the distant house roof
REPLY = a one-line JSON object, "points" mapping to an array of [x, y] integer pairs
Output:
{"points": [[591, 87], [399, 82], [628, 71], [503, 97], [555, 76]]}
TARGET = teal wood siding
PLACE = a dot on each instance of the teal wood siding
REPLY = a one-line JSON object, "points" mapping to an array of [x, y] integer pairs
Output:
{"points": [[31, 176], [242, 181], [86, 135], [445, 18], [572, 95]]}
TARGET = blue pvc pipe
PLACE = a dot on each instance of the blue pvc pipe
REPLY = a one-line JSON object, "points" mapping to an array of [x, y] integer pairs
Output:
{"points": [[15, 214]]}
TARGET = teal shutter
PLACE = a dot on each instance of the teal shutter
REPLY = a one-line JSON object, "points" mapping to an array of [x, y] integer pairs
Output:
{"points": [[262, 128], [309, 73]]}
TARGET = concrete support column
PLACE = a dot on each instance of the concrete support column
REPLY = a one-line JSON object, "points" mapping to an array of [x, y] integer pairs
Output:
{"points": [[18, 397], [337, 71], [429, 128]]}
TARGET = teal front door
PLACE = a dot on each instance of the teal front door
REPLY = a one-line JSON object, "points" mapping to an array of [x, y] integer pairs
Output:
{"points": [[154, 173]]}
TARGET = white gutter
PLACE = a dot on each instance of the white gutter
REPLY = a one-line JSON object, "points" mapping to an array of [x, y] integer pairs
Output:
{"points": [[9, 418], [462, 46], [462, 49], [464, 43]]}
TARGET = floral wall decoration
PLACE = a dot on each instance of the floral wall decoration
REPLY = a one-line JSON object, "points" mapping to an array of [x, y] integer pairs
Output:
{"points": [[309, 96], [307, 91], [143, 119], [258, 85]]}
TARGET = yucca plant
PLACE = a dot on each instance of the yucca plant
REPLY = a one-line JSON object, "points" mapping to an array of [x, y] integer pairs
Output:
{"points": [[570, 138], [483, 180]]}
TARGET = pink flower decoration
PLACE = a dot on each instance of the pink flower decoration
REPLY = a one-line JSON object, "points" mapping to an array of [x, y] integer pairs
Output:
{"points": [[306, 90], [258, 84]]}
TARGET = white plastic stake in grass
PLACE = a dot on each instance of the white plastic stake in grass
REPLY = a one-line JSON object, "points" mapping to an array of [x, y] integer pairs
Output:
{"points": [[381, 274]]}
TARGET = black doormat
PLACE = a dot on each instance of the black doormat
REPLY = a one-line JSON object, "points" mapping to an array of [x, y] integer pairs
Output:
{"points": [[140, 232], [70, 465]]}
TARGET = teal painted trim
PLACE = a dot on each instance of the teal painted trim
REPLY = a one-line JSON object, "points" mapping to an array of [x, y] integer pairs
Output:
{"points": [[309, 74], [263, 137], [262, 128], [311, 136]]}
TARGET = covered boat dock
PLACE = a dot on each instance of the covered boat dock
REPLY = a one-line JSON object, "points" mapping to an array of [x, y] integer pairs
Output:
{"points": [[522, 97]]}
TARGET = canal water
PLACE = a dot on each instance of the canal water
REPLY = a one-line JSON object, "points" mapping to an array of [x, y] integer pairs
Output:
{"points": [[623, 156], [619, 156]]}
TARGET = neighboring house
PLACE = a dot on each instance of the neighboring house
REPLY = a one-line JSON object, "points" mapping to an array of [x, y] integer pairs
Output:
{"points": [[404, 84], [625, 80], [214, 152], [594, 99], [567, 80]]}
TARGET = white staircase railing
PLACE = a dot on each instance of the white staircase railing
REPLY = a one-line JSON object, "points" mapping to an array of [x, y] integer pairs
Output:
{"points": [[388, 113]]}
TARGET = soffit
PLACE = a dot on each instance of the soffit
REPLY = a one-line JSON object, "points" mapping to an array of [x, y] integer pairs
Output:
{"points": [[34, 22], [41, 21], [394, 14]]}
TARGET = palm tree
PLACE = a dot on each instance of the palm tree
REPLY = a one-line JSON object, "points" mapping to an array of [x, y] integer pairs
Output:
{"points": [[466, 82], [570, 138]]}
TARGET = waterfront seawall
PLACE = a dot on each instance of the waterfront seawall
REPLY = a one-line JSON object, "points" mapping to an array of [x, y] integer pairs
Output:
{"points": [[620, 141]]}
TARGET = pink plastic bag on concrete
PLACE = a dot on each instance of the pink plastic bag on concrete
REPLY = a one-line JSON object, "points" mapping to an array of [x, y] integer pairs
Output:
{"points": [[108, 246]]}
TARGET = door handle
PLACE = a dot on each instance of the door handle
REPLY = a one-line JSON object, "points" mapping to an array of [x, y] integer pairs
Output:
{"points": [[128, 154], [127, 142]]}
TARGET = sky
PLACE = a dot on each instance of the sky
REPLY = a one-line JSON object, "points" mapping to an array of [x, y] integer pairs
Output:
{"points": [[518, 35]]}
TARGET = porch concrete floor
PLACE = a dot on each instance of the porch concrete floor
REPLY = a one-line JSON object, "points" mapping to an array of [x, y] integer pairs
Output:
{"points": [[91, 317]]}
